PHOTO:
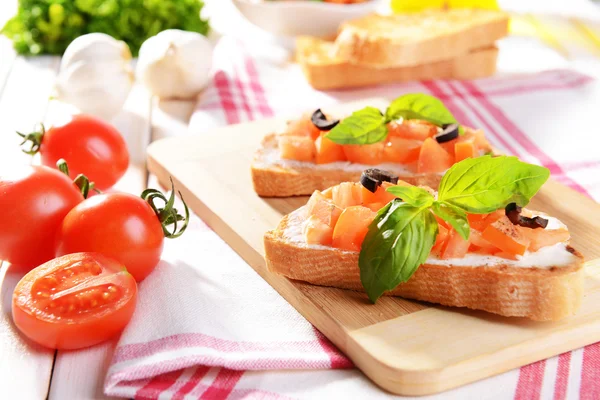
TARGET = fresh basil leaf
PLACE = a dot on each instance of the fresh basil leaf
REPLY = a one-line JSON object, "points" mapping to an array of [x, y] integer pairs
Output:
{"points": [[398, 242], [421, 106], [454, 216], [485, 184], [415, 196], [364, 126]]}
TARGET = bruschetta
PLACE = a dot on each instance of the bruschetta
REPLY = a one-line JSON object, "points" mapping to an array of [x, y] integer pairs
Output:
{"points": [[515, 261], [311, 154]]}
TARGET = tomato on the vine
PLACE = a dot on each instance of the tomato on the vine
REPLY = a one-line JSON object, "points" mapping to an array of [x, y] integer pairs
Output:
{"points": [[34, 200], [89, 145], [74, 301], [125, 227]]}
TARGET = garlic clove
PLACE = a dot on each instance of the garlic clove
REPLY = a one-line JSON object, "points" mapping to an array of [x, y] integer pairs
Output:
{"points": [[175, 63]]}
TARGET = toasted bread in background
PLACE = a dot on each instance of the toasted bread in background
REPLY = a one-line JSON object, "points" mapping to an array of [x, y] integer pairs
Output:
{"points": [[402, 40], [273, 178], [326, 72], [536, 293]]}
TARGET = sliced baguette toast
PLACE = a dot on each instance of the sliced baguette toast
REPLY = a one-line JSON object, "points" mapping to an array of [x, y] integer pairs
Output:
{"points": [[273, 177], [420, 38], [537, 293], [326, 72]]}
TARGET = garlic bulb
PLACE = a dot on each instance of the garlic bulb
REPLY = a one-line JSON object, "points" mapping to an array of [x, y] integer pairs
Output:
{"points": [[95, 75], [175, 63]]}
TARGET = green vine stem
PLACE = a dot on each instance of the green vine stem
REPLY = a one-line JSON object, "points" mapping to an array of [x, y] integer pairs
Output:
{"points": [[168, 215], [81, 181], [35, 138]]}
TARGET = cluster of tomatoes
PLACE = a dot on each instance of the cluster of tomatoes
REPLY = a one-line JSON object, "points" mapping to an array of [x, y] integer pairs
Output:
{"points": [[103, 244]]}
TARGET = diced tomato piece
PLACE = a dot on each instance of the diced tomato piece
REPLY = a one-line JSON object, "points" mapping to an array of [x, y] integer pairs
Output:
{"points": [[317, 232], [369, 154], [380, 195], [352, 227], [401, 150], [479, 244], [440, 240], [347, 194], [504, 235], [480, 141], [375, 206], [328, 151], [464, 150], [433, 158], [303, 127], [455, 246], [481, 221], [503, 254], [300, 148], [543, 237], [449, 146], [323, 208], [412, 129], [328, 193]]}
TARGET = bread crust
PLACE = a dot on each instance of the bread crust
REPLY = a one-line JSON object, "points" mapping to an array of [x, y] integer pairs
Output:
{"points": [[324, 72], [271, 180], [414, 39], [536, 293]]}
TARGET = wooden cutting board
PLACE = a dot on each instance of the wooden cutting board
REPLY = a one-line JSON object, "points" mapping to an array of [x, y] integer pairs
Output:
{"points": [[406, 347]]}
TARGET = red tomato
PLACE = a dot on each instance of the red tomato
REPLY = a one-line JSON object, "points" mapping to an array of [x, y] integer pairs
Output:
{"points": [[74, 301], [34, 200], [120, 225], [89, 145]]}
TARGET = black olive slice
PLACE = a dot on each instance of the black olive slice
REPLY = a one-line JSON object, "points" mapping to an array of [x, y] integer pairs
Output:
{"points": [[320, 121], [372, 178], [450, 131], [513, 212]]}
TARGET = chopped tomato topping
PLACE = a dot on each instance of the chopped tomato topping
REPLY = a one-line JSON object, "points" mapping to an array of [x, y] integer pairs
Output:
{"points": [[543, 237], [303, 127], [328, 151], [440, 239], [375, 206], [504, 235], [380, 195], [352, 227], [464, 150], [369, 154], [401, 150], [479, 244], [412, 129], [480, 221], [323, 208], [317, 232], [455, 246], [299, 148], [433, 158], [328, 193], [347, 194]]}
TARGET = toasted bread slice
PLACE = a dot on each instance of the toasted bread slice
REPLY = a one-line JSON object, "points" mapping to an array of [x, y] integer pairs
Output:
{"points": [[420, 38], [274, 177], [325, 72], [539, 293]]}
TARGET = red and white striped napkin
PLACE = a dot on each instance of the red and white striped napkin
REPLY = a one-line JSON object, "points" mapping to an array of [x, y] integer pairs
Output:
{"points": [[207, 326]]}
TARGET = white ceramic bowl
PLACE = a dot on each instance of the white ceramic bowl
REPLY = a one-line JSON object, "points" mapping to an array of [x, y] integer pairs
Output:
{"points": [[302, 17]]}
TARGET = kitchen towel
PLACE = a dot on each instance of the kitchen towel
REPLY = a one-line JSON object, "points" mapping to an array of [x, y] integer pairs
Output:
{"points": [[207, 326]]}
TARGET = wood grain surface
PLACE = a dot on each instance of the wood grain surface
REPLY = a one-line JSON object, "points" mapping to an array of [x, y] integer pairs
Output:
{"points": [[396, 342]]}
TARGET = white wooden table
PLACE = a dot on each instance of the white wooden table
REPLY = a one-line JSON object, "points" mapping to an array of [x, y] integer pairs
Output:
{"points": [[28, 371]]}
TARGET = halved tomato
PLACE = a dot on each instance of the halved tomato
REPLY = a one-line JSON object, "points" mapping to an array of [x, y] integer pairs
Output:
{"points": [[74, 301]]}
